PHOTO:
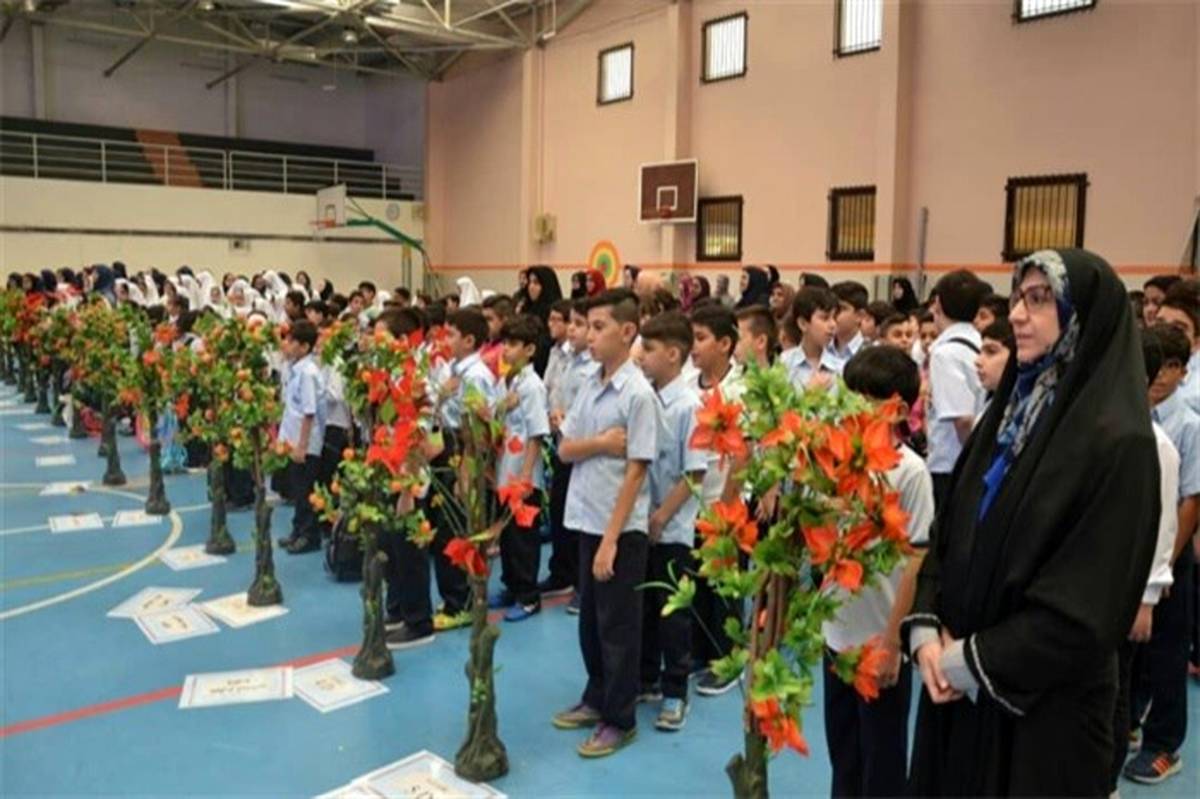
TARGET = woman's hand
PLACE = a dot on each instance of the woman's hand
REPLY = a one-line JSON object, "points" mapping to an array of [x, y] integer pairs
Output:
{"points": [[929, 658]]}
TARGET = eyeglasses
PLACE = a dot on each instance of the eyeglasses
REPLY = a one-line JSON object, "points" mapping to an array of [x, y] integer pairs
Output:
{"points": [[1036, 297]]}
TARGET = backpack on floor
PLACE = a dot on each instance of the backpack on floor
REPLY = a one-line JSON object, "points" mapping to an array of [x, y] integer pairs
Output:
{"points": [[343, 555]]}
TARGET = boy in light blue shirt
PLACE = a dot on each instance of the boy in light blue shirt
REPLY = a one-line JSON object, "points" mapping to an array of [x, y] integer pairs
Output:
{"points": [[303, 429], [610, 435], [527, 423], [564, 551], [667, 641], [815, 366]]}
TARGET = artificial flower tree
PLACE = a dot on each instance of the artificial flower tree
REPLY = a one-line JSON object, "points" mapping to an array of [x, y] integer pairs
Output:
{"points": [[101, 350], [836, 527], [147, 387]]}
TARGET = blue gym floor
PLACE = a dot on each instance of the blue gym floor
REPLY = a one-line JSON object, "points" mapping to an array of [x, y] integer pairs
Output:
{"points": [[89, 705]]}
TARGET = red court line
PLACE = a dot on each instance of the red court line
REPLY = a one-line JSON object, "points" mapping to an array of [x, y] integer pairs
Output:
{"points": [[162, 694]]}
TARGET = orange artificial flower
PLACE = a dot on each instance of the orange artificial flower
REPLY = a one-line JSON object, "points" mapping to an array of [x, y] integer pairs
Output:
{"points": [[523, 514], [515, 445], [150, 357], [866, 671], [895, 519], [847, 573], [717, 427], [835, 453], [465, 555], [791, 425], [514, 491], [779, 729], [861, 534], [182, 405], [820, 542], [732, 519], [392, 448], [377, 384], [881, 455]]}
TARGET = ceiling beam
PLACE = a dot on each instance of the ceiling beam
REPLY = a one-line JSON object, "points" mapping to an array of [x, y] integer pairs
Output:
{"points": [[150, 36]]}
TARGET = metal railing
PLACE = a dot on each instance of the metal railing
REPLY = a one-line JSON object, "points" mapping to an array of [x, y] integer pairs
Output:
{"points": [[113, 161]]}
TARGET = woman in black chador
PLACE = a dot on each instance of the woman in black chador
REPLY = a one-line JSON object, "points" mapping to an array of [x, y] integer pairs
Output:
{"points": [[1040, 554]]}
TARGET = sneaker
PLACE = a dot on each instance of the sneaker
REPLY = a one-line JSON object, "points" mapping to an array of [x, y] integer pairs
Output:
{"points": [[522, 612], [606, 740], [286, 541], [709, 684], [1151, 768], [573, 605], [673, 714], [302, 545], [501, 600], [392, 623], [648, 694], [1135, 741], [405, 637], [549, 588], [442, 622], [576, 718]]}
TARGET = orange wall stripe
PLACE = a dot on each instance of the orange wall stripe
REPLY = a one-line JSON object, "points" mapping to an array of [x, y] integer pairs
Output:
{"points": [[1124, 269]]}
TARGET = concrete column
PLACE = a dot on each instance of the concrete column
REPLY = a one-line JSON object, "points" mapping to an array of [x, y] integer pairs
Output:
{"points": [[533, 98], [894, 242], [676, 240], [37, 54]]}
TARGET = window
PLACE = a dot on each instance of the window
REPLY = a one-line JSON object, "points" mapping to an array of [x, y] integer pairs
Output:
{"points": [[1042, 212], [724, 48], [1025, 10], [719, 234], [852, 224], [615, 81], [859, 26]]}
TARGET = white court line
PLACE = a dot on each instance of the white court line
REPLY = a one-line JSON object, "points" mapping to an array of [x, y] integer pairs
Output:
{"points": [[33, 528]]}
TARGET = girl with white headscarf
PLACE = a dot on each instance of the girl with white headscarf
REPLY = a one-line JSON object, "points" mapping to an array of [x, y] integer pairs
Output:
{"points": [[468, 292]]}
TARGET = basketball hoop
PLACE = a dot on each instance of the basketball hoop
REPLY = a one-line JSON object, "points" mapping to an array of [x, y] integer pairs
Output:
{"points": [[319, 226], [665, 212]]}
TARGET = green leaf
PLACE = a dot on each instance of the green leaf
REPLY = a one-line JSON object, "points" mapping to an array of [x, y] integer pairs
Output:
{"points": [[684, 596]]}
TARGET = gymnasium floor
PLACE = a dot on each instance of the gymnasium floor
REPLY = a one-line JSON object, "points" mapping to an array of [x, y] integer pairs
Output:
{"points": [[90, 706]]}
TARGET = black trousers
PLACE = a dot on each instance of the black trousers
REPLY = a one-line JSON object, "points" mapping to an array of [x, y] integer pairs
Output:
{"points": [[666, 640], [564, 543], [710, 610], [941, 486], [301, 477], [336, 440], [868, 741], [239, 486], [520, 558], [1162, 683], [610, 628], [1121, 711]]}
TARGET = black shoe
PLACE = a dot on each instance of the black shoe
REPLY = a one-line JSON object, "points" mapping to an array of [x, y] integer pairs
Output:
{"points": [[302, 545], [405, 637], [549, 587], [391, 622], [287, 541], [710, 684]]}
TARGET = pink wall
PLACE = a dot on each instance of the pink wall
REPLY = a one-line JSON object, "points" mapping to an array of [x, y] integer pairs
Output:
{"points": [[1110, 92], [959, 99]]}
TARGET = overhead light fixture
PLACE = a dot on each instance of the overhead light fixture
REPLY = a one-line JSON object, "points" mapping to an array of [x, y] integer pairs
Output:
{"points": [[30, 6], [349, 36], [206, 6]]}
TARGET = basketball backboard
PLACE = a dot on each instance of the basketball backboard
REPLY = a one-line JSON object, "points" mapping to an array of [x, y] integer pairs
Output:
{"points": [[331, 207], [667, 191]]}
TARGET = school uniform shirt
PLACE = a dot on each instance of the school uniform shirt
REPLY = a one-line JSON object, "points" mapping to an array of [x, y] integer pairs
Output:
{"points": [[847, 352], [528, 419], [1161, 575], [801, 371], [337, 411], [1190, 387], [625, 400], [715, 475], [866, 615], [678, 402], [1182, 426], [302, 397], [790, 358], [557, 361], [471, 373], [954, 392], [579, 369]]}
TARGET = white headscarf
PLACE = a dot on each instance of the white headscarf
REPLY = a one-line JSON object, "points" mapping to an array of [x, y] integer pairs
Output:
{"points": [[150, 290], [190, 287], [468, 292]]}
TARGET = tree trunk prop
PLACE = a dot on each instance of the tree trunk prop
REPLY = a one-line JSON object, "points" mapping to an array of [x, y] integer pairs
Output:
{"points": [[43, 392], [28, 384], [220, 542], [77, 429], [59, 401], [113, 476], [748, 770], [482, 755], [374, 659], [265, 589], [156, 499]]}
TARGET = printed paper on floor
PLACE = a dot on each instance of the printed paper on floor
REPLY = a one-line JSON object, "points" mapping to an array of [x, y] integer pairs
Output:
{"points": [[330, 685], [236, 687], [154, 599]]}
